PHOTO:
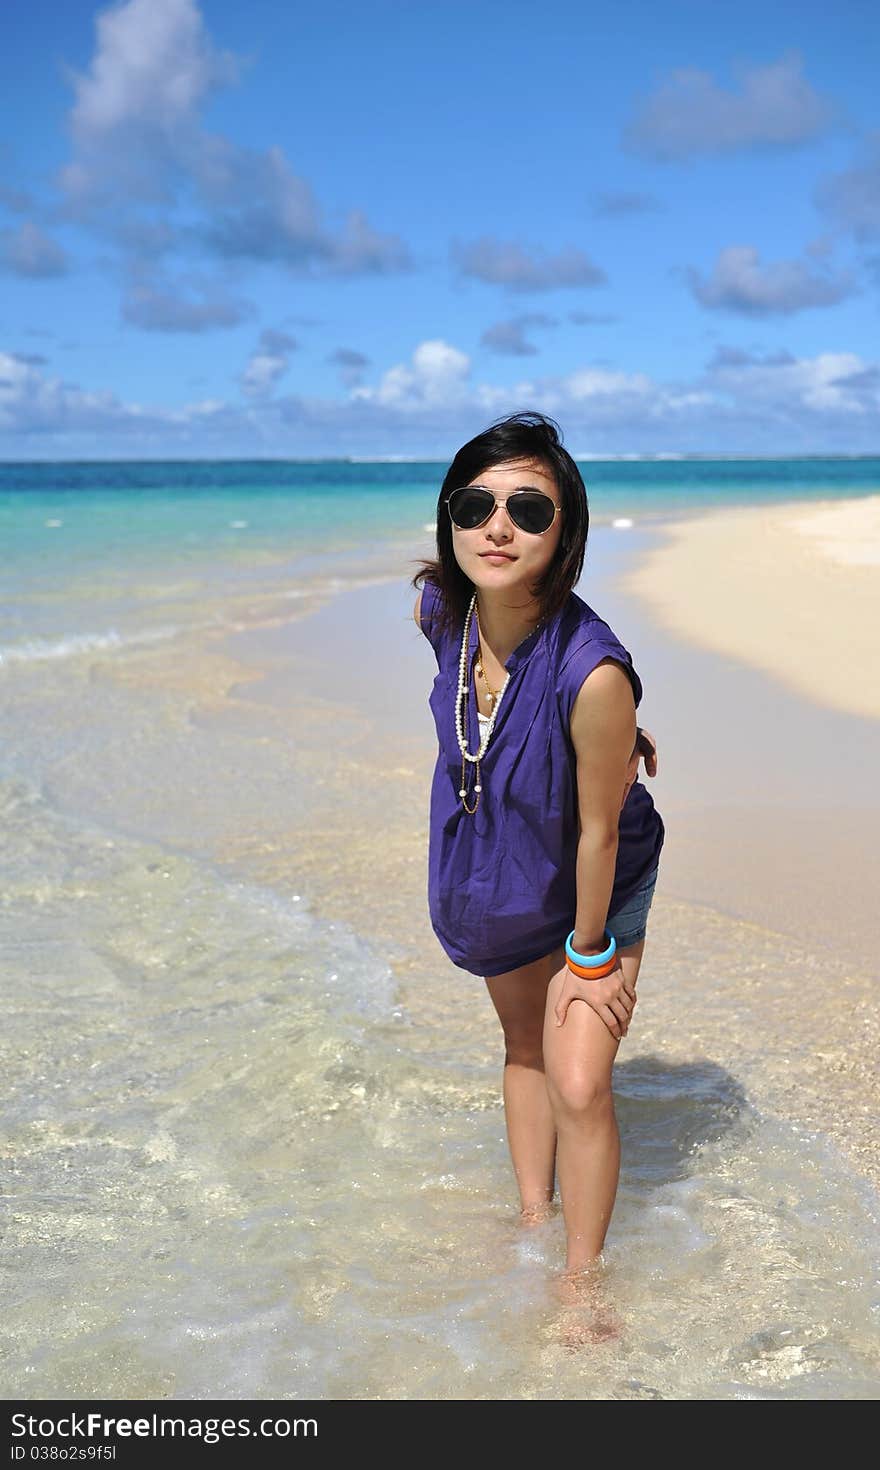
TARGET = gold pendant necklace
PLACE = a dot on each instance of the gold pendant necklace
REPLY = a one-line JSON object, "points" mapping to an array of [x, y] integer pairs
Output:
{"points": [[493, 693]]}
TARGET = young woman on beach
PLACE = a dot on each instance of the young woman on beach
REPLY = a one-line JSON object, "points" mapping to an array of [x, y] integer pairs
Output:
{"points": [[544, 845]]}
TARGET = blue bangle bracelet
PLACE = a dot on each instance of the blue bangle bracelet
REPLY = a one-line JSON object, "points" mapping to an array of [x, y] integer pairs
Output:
{"points": [[591, 961]]}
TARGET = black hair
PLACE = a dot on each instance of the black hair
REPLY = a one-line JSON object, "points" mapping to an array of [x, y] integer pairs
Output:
{"points": [[526, 435]]}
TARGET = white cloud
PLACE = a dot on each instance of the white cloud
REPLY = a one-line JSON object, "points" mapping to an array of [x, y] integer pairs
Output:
{"points": [[39, 412], [27, 251], [166, 307], [740, 283], [135, 113], [508, 338], [853, 196], [31, 401], [741, 402], [267, 363], [616, 203], [154, 64], [437, 374], [590, 383], [691, 114], [351, 365], [503, 263], [799, 384], [139, 144]]}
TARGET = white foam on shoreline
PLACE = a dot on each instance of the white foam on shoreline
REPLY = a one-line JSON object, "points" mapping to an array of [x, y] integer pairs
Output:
{"points": [[37, 650]]}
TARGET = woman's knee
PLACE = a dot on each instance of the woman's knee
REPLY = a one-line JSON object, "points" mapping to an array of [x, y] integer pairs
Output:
{"points": [[524, 1046], [579, 1092]]}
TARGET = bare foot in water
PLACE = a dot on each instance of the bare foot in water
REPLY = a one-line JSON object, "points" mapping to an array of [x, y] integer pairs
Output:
{"points": [[588, 1317], [538, 1213], [580, 1327]]}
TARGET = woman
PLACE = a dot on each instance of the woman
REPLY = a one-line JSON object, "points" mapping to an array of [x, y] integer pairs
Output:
{"points": [[544, 846]]}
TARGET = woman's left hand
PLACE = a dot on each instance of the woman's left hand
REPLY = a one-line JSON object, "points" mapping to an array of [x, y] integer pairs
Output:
{"points": [[645, 747], [613, 998]]}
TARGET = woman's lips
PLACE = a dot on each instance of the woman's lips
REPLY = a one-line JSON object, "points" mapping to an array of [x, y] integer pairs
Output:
{"points": [[496, 556]]}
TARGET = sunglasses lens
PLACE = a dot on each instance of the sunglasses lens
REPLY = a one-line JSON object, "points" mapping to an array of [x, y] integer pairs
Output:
{"points": [[531, 511], [470, 507]]}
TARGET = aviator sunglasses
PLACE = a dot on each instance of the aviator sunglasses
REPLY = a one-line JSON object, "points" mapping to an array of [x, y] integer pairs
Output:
{"points": [[530, 510]]}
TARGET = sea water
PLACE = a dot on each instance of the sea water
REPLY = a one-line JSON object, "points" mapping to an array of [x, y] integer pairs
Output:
{"points": [[96, 551]]}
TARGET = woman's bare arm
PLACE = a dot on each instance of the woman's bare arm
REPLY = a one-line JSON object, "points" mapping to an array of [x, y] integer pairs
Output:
{"points": [[603, 733]]}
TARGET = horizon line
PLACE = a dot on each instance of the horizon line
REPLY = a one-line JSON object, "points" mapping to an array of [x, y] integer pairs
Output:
{"points": [[651, 458]]}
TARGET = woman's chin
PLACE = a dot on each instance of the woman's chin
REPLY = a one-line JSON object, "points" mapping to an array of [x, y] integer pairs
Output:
{"points": [[495, 574]]}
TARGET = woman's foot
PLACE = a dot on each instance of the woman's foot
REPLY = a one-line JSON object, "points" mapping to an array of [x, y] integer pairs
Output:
{"points": [[578, 1329], [538, 1213], [587, 1318]]}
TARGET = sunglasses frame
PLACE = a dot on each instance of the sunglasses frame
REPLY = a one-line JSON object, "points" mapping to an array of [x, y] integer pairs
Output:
{"points": [[526, 490]]}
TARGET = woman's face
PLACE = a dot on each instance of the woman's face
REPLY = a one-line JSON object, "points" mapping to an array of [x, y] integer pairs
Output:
{"points": [[499, 554]]}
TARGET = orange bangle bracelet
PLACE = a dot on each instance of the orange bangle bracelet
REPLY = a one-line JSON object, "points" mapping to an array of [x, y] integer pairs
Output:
{"points": [[596, 972]]}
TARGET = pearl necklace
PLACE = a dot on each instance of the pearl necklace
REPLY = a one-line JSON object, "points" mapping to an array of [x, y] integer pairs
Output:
{"points": [[461, 705]]}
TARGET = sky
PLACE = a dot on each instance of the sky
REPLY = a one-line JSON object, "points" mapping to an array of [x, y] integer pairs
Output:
{"points": [[372, 228]]}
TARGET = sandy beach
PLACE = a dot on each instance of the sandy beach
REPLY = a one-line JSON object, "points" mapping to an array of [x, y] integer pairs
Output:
{"points": [[790, 589]]}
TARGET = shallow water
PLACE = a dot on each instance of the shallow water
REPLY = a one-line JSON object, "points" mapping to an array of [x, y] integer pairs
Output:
{"points": [[236, 1165]]}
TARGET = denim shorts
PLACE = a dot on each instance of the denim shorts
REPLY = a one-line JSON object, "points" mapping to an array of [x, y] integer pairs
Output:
{"points": [[629, 923]]}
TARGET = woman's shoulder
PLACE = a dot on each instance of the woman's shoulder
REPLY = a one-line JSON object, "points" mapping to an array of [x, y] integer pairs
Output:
{"points": [[585, 639], [432, 605], [581, 624], [429, 613]]}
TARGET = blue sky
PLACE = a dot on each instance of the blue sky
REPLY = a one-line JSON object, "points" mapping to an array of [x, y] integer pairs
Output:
{"points": [[371, 228]]}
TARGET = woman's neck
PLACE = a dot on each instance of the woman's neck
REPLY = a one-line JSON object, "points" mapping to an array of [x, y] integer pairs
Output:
{"points": [[502, 626]]}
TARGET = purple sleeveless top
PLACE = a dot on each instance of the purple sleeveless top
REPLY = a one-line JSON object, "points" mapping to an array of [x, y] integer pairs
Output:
{"points": [[502, 885]]}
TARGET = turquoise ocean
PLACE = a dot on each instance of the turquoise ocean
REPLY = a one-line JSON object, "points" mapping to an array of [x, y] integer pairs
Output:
{"points": [[237, 1159], [112, 537]]}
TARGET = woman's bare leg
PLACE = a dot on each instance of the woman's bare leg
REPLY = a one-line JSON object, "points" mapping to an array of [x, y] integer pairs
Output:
{"points": [[520, 996], [578, 1060]]}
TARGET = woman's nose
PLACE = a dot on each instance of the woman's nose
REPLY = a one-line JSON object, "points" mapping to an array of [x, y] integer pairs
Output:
{"points": [[499, 520]]}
